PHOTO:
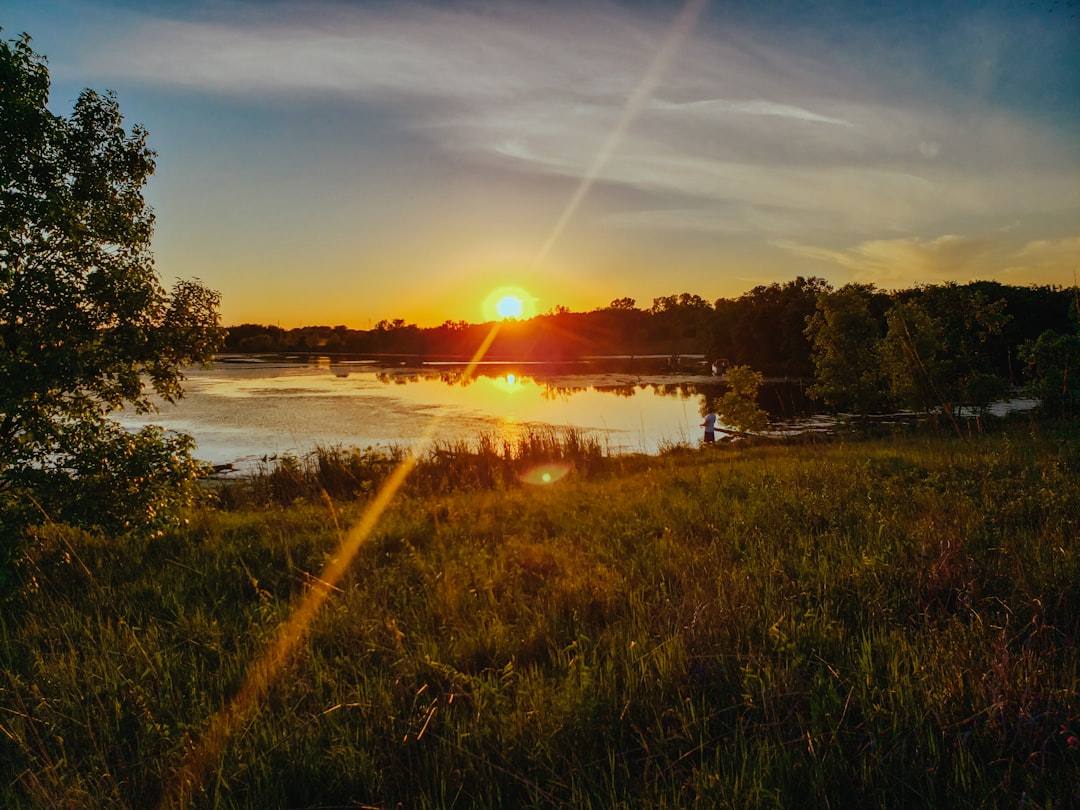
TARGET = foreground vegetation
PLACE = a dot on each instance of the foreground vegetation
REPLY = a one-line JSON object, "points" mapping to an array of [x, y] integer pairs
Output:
{"points": [[871, 622]]}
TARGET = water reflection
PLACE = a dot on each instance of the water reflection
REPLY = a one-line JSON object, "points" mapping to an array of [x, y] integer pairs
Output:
{"points": [[240, 411]]}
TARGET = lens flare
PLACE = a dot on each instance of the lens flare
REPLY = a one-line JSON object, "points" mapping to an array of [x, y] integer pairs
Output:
{"points": [[545, 474], [679, 31], [202, 752]]}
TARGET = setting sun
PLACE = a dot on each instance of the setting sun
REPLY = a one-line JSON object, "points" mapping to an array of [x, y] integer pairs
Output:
{"points": [[510, 306], [509, 302]]}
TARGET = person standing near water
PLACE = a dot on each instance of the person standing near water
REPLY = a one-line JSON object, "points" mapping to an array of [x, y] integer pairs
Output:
{"points": [[710, 427]]}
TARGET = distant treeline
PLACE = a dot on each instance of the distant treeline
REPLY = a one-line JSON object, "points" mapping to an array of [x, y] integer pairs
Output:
{"points": [[765, 328]]}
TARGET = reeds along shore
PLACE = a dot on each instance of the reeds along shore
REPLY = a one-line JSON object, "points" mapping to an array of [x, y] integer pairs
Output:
{"points": [[867, 622]]}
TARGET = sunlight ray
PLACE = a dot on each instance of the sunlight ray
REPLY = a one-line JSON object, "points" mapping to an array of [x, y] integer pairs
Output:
{"points": [[201, 755], [261, 675], [680, 29]]}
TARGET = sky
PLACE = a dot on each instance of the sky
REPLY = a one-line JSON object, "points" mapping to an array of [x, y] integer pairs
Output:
{"points": [[326, 162]]}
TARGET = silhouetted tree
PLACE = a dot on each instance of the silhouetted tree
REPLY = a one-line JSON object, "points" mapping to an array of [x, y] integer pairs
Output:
{"points": [[620, 328], [844, 334], [85, 324], [738, 406], [934, 351], [1031, 310], [1053, 371], [680, 324], [765, 328]]}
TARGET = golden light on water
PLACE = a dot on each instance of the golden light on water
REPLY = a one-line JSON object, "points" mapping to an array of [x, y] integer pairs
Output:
{"points": [[510, 384]]}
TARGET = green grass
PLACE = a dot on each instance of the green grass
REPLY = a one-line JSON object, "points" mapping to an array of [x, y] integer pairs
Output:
{"points": [[888, 622]]}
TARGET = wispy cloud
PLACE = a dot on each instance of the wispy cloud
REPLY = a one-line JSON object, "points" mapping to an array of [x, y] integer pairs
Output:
{"points": [[736, 117], [385, 51], [899, 261], [747, 133], [1056, 260], [950, 257], [1054, 249], [749, 107]]}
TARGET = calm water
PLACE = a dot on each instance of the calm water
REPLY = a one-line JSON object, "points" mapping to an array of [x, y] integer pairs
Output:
{"points": [[240, 412]]}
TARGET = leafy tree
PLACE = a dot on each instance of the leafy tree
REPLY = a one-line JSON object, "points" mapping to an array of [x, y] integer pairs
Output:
{"points": [[1053, 371], [85, 325], [254, 338], [844, 333], [1031, 311], [765, 328], [738, 406], [914, 357], [934, 352], [619, 328], [680, 323]]}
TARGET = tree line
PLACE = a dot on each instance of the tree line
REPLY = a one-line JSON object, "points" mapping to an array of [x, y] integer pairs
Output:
{"points": [[864, 349]]}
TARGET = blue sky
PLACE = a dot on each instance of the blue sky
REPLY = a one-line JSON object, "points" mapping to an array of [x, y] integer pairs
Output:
{"points": [[344, 162]]}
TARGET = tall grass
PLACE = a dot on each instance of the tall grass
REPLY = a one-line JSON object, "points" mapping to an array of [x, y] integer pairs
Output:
{"points": [[881, 623], [489, 461]]}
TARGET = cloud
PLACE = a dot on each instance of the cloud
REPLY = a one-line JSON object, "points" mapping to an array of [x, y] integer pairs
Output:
{"points": [[929, 149], [1056, 250], [399, 51], [783, 140], [1056, 261], [900, 262], [896, 263], [750, 107]]}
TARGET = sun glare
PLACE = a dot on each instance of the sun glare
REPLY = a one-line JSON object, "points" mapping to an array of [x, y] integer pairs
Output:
{"points": [[510, 306], [509, 302]]}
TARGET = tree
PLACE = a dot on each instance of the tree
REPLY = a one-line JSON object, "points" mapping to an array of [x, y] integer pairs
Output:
{"points": [[914, 357], [85, 325], [844, 334], [1032, 310], [679, 322], [765, 327], [1053, 371], [738, 406], [618, 329], [934, 352]]}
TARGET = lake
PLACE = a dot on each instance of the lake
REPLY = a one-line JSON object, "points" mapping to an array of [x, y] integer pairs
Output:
{"points": [[242, 410]]}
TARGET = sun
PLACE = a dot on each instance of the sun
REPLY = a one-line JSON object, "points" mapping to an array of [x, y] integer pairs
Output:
{"points": [[509, 302], [509, 306]]}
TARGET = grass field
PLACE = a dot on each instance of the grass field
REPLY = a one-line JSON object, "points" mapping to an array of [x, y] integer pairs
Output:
{"points": [[885, 621]]}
